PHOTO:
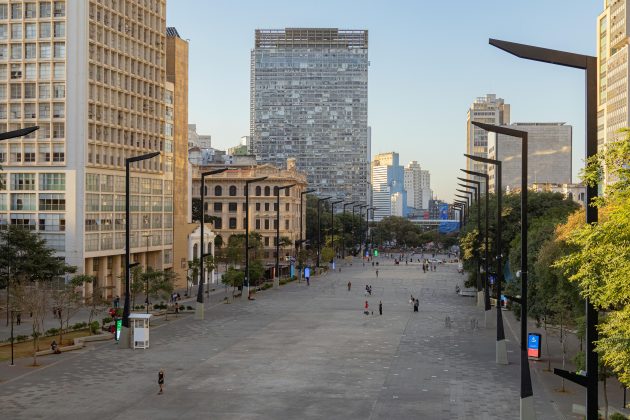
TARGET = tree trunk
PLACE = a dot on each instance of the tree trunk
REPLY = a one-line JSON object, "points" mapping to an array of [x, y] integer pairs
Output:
{"points": [[605, 398], [547, 345], [35, 346]]}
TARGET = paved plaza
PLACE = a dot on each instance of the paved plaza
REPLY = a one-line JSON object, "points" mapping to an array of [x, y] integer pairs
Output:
{"points": [[297, 352]]}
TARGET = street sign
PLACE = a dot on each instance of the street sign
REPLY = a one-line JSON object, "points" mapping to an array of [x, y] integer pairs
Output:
{"points": [[534, 343]]}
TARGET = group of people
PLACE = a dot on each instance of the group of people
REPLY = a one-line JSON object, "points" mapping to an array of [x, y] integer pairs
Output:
{"points": [[368, 289], [428, 266], [415, 303], [367, 308]]}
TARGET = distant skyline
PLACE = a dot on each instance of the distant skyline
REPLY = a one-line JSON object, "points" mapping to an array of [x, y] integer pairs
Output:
{"points": [[428, 63]]}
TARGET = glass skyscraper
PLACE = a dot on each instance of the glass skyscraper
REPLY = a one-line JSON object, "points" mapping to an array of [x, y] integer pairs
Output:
{"points": [[309, 101]]}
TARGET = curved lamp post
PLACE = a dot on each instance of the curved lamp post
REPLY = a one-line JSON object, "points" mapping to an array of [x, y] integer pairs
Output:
{"points": [[343, 239], [477, 194]]}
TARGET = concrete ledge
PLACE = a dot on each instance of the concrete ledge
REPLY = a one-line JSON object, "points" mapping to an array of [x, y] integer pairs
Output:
{"points": [[79, 343]]}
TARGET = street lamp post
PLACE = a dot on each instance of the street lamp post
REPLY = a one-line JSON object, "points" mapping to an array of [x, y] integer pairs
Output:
{"points": [[468, 203], [246, 281], [527, 399], [343, 231], [319, 229], [487, 239], [361, 207], [277, 191], [125, 333], [501, 348], [589, 65], [147, 236], [367, 227], [477, 199], [6, 136], [332, 227], [302, 214], [463, 205], [460, 208], [199, 307]]}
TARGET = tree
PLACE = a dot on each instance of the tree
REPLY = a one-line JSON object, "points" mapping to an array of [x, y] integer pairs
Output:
{"points": [[137, 284], [161, 284], [95, 302], [32, 298], [209, 264], [599, 262], [66, 300], [234, 278], [256, 271], [327, 255]]}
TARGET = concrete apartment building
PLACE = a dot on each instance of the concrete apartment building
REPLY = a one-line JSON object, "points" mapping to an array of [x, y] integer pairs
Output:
{"points": [[225, 199], [309, 101], [613, 30], [418, 186], [92, 75], [486, 109], [549, 155], [388, 186]]}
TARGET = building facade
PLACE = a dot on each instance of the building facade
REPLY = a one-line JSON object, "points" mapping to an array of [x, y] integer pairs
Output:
{"points": [[225, 202], [549, 155], [486, 109], [92, 76], [576, 192], [418, 186], [309, 100], [388, 186]]}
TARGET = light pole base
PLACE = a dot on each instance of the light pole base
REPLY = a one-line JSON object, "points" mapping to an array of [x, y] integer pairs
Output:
{"points": [[480, 298], [527, 408], [489, 319], [199, 311], [276, 282], [124, 341], [245, 292], [502, 353]]}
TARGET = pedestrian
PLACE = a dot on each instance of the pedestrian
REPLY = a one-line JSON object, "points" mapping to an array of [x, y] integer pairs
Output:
{"points": [[366, 311], [380, 307], [161, 380], [176, 308], [307, 275], [19, 318], [416, 304], [349, 285], [377, 273]]}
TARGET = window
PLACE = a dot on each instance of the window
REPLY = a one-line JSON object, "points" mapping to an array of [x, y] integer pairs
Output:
{"points": [[44, 30], [266, 240], [59, 71], [23, 182], [232, 222], [55, 222], [3, 202], [232, 191], [16, 51], [275, 224], [44, 71], [44, 50], [3, 31], [92, 202], [3, 91], [30, 10], [59, 110], [218, 191], [29, 153], [60, 29], [44, 91], [266, 206], [59, 90], [30, 71], [3, 73], [16, 153], [275, 206], [267, 191], [60, 9], [45, 9], [30, 30], [286, 224], [286, 207], [16, 71], [60, 50], [218, 223], [4, 11], [44, 111], [232, 207], [257, 206], [16, 111], [44, 153], [26, 221], [257, 224], [23, 202], [258, 191], [267, 224], [4, 52], [218, 206], [3, 182], [16, 11], [59, 130], [55, 202], [59, 154], [53, 181], [29, 91], [16, 91], [16, 31], [287, 192]]}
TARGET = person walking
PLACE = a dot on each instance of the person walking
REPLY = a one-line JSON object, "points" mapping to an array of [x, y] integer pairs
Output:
{"points": [[416, 304], [18, 318], [366, 311], [161, 380], [307, 275], [380, 307], [377, 273], [349, 285]]}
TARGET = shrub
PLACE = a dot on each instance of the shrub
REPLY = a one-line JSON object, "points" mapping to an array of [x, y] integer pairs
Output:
{"points": [[21, 338], [94, 327], [190, 308], [266, 286], [52, 331], [79, 325], [618, 416], [107, 320]]}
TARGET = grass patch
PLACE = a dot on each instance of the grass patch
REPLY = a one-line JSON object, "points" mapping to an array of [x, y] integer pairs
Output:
{"points": [[25, 349]]}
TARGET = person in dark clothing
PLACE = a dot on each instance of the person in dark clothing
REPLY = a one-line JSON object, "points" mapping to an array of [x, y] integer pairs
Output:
{"points": [[161, 380], [416, 304], [380, 307], [349, 285]]}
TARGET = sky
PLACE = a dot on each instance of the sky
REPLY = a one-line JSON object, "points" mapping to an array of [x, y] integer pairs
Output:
{"points": [[429, 60]]}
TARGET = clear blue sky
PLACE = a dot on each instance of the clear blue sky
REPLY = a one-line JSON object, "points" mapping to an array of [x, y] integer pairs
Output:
{"points": [[429, 61]]}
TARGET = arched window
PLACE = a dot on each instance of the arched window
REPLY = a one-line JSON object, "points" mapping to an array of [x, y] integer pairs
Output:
{"points": [[287, 192], [267, 191], [258, 191], [218, 191], [232, 191]]}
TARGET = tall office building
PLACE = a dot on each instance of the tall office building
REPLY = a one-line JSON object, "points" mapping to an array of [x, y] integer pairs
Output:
{"points": [[486, 109], [177, 127], [309, 101], [549, 155], [91, 74], [418, 186], [388, 186], [613, 71]]}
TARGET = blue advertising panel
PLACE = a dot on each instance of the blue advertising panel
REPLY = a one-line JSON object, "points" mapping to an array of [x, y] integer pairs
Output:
{"points": [[534, 343]]}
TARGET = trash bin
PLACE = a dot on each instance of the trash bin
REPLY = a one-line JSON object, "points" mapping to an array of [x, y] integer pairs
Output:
{"points": [[140, 330]]}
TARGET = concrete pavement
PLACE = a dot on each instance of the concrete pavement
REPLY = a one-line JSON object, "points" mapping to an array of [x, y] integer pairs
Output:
{"points": [[295, 353]]}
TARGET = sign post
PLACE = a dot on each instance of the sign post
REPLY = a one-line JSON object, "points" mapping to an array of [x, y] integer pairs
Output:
{"points": [[533, 345]]}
